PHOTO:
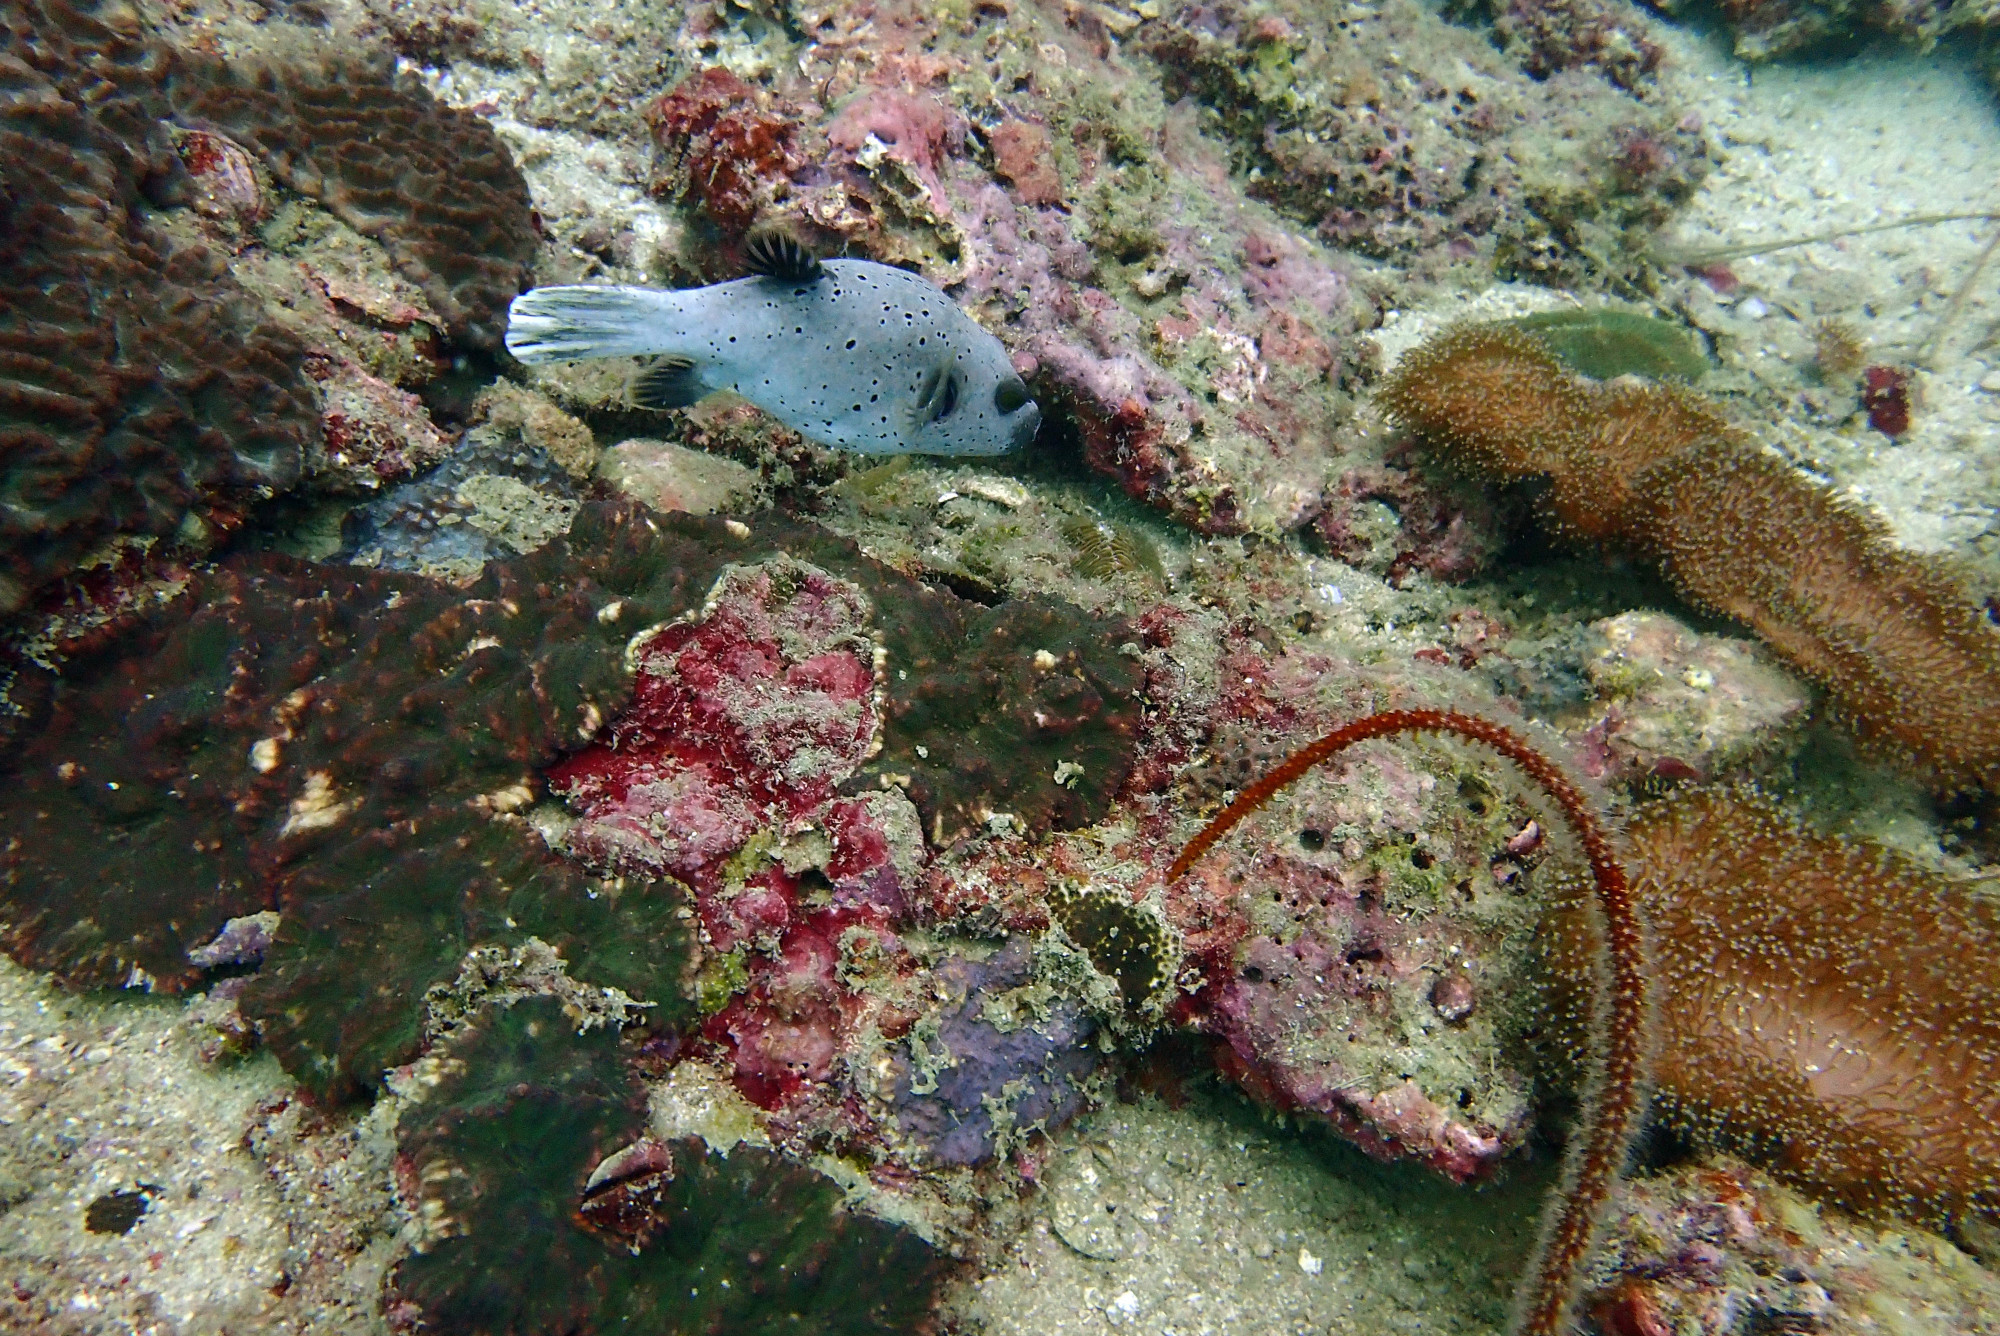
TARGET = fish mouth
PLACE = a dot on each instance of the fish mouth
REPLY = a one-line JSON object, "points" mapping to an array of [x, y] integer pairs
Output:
{"points": [[1025, 425]]}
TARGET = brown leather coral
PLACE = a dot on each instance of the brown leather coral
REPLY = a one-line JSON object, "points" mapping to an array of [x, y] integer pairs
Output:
{"points": [[1904, 652], [1835, 1005]]}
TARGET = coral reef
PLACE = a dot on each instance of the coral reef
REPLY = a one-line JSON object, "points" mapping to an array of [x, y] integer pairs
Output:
{"points": [[542, 1210], [1835, 1006], [339, 745], [145, 394], [1129, 224], [1710, 1248], [1768, 29], [1905, 653]]}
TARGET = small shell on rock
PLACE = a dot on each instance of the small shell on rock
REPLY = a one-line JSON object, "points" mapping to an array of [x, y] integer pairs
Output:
{"points": [[1453, 996], [225, 177]]}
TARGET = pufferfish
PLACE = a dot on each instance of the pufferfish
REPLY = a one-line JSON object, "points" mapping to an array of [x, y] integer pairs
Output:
{"points": [[851, 353]]}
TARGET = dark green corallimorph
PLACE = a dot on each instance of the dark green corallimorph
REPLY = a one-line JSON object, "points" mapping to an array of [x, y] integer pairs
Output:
{"points": [[1028, 709], [429, 891], [336, 744], [1604, 343], [689, 1243]]}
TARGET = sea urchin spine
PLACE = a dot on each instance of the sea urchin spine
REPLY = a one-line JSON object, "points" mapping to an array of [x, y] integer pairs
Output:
{"points": [[1616, 1096]]}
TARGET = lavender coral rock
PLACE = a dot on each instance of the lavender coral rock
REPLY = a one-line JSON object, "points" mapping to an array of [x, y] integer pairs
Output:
{"points": [[958, 1080]]}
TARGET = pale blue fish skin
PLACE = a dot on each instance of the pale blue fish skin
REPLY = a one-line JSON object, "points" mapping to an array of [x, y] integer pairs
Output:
{"points": [[865, 357]]}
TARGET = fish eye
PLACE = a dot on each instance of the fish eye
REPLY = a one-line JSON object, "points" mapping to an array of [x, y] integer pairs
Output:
{"points": [[1009, 395]]}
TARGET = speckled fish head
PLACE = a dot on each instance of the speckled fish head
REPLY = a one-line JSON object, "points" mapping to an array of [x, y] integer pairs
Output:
{"points": [[903, 369]]}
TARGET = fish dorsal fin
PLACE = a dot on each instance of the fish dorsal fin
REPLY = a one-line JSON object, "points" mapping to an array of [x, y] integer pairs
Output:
{"points": [[670, 382], [778, 254]]}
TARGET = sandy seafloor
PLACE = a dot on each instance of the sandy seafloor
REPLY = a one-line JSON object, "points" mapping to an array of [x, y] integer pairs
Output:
{"points": [[1205, 1218]]}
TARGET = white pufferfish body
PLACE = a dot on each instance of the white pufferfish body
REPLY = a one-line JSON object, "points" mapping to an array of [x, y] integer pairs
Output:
{"points": [[851, 353]]}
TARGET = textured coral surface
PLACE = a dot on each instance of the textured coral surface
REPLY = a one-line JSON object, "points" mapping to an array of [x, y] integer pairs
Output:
{"points": [[144, 391]]}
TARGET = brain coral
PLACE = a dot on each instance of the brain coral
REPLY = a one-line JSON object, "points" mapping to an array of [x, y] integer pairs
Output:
{"points": [[434, 184], [140, 390]]}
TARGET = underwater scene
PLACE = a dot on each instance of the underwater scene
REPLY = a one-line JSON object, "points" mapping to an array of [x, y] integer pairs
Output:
{"points": [[999, 667]]}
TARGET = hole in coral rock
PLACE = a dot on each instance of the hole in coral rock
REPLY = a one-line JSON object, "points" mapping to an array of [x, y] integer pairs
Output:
{"points": [[1312, 841]]}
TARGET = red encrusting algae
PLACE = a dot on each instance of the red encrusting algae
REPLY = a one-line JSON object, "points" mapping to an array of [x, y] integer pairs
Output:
{"points": [[1617, 1093]]}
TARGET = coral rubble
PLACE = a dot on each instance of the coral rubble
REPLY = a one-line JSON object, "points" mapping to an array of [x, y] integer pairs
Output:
{"points": [[1905, 653]]}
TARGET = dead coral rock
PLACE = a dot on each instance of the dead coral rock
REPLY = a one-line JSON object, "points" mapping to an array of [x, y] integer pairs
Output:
{"points": [[145, 393], [1402, 135], [225, 177], [666, 477], [1554, 35], [1687, 1246], [371, 432], [1321, 938], [530, 417], [1023, 156], [1673, 705], [435, 185], [1395, 521]]}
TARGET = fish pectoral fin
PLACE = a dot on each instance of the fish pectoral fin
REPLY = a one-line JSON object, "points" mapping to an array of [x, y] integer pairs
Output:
{"points": [[670, 382]]}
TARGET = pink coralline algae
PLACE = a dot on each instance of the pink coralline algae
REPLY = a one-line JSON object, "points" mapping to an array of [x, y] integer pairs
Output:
{"points": [[746, 718], [915, 129], [725, 148]]}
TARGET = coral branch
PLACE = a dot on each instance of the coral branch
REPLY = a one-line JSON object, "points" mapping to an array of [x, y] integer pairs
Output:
{"points": [[1616, 1096]]}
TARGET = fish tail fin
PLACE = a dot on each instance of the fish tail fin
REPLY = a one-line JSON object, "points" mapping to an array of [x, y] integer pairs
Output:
{"points": [[565, 323]]}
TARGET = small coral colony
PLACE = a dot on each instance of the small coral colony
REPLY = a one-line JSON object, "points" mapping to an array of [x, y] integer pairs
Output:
{"points": [[908, 824]]}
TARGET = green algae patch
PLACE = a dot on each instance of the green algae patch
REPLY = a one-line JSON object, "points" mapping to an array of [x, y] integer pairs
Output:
{"points": [[547, 1209], [1604, 344]]}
